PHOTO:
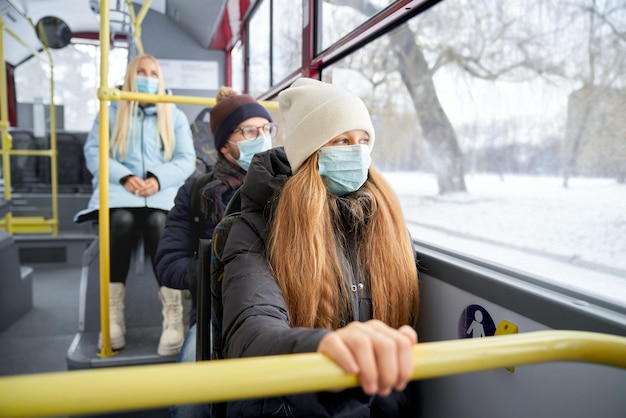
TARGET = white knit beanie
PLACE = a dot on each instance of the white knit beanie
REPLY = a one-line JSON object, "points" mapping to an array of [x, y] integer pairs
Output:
{"points": [[314, 113]]}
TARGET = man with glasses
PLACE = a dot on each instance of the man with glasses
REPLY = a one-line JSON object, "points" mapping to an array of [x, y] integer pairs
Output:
{"points": [[241, 128], [248, 140]]}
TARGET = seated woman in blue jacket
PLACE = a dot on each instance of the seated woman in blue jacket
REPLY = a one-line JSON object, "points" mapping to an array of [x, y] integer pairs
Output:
{"points": [[151, 155], [320, 260]]}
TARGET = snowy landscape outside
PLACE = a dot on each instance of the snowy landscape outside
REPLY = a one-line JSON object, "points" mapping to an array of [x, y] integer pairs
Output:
{"points": [[573, 236]]}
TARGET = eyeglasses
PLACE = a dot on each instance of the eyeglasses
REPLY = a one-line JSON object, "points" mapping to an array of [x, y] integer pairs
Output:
{"points": [[251, 132]]}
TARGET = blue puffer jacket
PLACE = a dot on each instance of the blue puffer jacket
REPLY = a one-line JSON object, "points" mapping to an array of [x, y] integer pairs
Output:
{"points": [[144, 156]]}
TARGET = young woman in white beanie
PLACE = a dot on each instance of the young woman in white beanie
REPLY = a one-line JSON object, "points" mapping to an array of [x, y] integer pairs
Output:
{"points": [[320, 260]]}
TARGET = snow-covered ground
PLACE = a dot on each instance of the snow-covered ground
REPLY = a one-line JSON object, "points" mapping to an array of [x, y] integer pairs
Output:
{"points": [[575, 236]]}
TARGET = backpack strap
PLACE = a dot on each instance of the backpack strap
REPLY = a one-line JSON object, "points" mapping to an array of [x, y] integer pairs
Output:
{"points": [[197, 217], [209, 284], [209, 308]]}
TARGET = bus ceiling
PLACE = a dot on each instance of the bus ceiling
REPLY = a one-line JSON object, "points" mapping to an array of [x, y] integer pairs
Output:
{"points": [[212, 24]]}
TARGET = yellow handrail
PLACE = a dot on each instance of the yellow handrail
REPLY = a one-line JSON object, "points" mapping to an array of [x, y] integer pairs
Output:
{"points": [[136, 22], [112, 94], [24, 44], [54, 183], [143, 387]]}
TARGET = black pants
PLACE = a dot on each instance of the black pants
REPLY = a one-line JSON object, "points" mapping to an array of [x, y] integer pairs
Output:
{"points": [[125, 224]]}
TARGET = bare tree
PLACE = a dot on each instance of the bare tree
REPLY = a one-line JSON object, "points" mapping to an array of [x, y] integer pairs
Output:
{"points": [[577, 43], [504, 41], [601, 75], [436, 127], [406, 56]]}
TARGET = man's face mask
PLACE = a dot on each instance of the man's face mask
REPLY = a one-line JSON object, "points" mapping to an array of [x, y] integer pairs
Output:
{"points": [[147, 84], [344, 168], [249, 147]]}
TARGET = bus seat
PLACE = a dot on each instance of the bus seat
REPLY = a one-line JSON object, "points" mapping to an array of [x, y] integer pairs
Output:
{"points": [[142, 314], [73, 175], [32, 173], [206, 154], [16, 286], [24, 170]]}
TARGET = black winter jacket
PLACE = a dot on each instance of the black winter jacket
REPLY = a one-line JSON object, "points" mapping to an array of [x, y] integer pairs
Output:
{"points": [[255, 320]]}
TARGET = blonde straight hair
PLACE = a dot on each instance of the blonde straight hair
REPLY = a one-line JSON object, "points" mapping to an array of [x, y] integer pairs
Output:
{"points": [[303, 252], [122, 130]]}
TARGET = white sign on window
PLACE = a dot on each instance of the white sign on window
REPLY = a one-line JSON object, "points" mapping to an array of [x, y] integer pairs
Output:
{"points": [[190, 75]]}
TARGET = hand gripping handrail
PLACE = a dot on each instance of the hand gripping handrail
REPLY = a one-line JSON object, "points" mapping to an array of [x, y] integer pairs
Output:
{"points": [[142, 387]]}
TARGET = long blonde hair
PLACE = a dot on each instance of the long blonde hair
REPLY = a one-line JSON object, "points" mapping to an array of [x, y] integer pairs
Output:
{"points": [[303, 252], [126, 113]]}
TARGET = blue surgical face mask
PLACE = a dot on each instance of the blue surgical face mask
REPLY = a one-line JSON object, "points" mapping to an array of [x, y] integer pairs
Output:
{"points": [[249, 147], [344, 168], [147, 84]]}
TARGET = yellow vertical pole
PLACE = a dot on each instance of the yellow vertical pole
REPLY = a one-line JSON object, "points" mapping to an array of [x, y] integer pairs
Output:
{"points": [[54, 178], [103, 180], [53, 155], [4, 126]]}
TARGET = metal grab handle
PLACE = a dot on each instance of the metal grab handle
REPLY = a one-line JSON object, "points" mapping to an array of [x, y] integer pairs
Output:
{"points": [[142, 387]]}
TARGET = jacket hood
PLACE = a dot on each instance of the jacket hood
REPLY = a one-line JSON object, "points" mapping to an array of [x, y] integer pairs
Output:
{"points": [[267, 174]]}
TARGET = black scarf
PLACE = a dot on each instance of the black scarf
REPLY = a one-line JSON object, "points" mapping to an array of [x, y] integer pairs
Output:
{"points": [[227, 177]]}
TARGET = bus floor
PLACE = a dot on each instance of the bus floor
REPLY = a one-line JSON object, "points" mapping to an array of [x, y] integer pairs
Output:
{"points": [[39, 340]]}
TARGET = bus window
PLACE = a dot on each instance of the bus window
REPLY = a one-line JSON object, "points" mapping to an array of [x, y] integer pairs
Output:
{"points": [[75, 65], [238, 68], [500, 128], [259, 54], [281, 27], [287, 38], [333, 29]]}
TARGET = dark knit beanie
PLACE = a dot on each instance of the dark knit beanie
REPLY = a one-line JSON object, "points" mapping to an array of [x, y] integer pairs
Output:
{"points": [[229, 112]]}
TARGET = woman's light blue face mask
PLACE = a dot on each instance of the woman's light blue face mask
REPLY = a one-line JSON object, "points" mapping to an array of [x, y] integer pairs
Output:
{"points": [[344, 168], [148, 85]]}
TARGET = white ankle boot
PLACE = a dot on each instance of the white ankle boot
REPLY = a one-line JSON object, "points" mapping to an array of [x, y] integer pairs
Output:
{"points": [[116, 316], [173, 334]]}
